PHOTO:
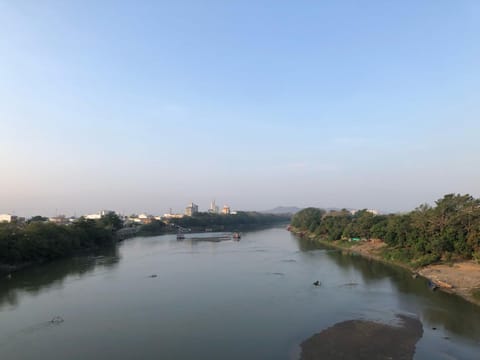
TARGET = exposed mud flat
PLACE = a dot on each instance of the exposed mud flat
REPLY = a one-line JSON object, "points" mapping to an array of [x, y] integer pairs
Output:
{"points": [[360, 339]]}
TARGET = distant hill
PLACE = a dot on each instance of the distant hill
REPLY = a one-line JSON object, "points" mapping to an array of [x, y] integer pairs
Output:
{"points": [[283, 210]]}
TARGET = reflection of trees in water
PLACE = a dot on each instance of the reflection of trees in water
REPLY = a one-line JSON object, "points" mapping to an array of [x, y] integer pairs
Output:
{"points": [[438, 308], [38, 279], [371, 271], [308, 245], [458, 317]]}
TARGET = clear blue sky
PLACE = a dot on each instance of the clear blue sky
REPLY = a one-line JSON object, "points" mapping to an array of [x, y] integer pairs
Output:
{"points": [[146, 105]]}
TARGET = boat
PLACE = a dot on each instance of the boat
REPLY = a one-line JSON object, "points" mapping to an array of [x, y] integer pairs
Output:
{"points": [[436, 284], [180, 236], [213, 237], [432, 285], [236, 235]]}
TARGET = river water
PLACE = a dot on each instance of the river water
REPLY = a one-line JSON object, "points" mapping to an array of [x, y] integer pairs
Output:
{"points": [[159, 298]]}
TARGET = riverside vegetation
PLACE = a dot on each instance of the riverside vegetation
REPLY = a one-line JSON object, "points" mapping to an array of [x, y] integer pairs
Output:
{"points": [[40, 241], [448, 231], [214, 222], [241, 218], [441, 243]]}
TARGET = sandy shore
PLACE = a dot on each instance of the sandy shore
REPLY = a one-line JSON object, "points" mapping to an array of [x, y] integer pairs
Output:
{"points": [[462, 276], [459, 278]]}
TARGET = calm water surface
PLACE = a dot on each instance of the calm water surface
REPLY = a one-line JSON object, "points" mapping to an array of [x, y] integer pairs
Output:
{"points": [[251, 299]]}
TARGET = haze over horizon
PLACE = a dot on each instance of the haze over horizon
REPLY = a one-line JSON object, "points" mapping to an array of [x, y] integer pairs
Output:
{"points": [[149, 105]]}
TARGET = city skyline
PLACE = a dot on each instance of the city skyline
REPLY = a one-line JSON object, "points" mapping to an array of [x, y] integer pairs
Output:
{"points": [[91, 214], [146, 106]]}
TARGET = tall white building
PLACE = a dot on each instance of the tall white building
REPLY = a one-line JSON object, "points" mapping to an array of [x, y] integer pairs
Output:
{"points": [[213, 208], [191, 209]]}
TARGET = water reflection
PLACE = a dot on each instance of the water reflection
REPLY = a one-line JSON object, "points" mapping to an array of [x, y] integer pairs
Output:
{"points": [[438, 309], [249, 299], [38, 279]]}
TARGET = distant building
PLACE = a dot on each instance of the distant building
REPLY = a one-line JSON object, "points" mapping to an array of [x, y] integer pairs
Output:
{"points": [[145, 218], [371, 211], [8, 218], [99, 215], [191, 209], [226, 210], [173, 216], [141, 219], [59, 220], [213, 208]]}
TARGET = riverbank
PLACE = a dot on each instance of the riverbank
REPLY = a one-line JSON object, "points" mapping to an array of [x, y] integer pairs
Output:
{"points": [[461, 278]]}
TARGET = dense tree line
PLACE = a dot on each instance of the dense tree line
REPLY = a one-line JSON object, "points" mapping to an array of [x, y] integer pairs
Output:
{"points": [[156, 227], [36, 241], [239, 219], [450, 229]]}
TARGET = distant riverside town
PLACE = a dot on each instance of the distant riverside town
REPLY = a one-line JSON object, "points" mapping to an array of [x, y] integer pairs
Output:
{"points": [[37, 239], [143, 218], [139, 219]]}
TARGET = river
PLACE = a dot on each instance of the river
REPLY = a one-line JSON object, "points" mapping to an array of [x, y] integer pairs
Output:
{"points": [[159, 298]]}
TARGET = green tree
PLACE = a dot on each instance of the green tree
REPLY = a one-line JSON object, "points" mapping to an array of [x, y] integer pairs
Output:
{"points": [[111, 221]]}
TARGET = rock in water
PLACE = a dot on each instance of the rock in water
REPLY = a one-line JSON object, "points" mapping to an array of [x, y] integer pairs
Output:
{"points": [[57, 320]]}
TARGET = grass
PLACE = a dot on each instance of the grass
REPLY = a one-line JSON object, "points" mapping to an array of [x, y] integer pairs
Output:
{"points": [[346, 244]]}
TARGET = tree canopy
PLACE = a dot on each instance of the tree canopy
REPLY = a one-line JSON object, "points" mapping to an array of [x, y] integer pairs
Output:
{"points": [[449, 229], [239, 219], [42, 241]]}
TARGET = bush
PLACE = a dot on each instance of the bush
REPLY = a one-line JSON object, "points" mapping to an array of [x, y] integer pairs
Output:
{"points": [[426, 260], [401, 255]]}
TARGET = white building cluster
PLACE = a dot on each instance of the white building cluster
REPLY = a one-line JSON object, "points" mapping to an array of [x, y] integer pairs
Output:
{"points": [[8, 218], [371, 211], [98, 215], [143, 218], [192, 209]]}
